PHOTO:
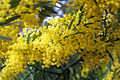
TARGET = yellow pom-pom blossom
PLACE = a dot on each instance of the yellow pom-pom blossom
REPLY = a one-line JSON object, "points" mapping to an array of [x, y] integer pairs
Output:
{"points": [[3, 48], [55, 44], [9, 32], [24, 10], [95, 7], [114, 73], [10, 9]]}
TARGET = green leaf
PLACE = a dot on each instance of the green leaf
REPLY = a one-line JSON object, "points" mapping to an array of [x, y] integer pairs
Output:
{"points": [[46, 24], [5, 38], [79, 33], [43, 14], [41, 4], [110, 55], [28, 38], [70, 24], [10, 19], [1, 67], [80, 15], [14, 3], [18, 22], [27, 76], [116, 72], [86, 25], [50, 9], [35, 36]]}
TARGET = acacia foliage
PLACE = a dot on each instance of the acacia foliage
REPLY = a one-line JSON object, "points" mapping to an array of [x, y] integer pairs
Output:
{"points": [[83, 44]]}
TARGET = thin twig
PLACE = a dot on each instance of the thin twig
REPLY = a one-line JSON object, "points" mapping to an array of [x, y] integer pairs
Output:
{"points": [[74, 72], [79, 70]]}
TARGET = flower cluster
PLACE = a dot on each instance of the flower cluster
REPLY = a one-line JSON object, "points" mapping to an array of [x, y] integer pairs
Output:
{"points": [[83, 32], [114, 73], [25, 10]]}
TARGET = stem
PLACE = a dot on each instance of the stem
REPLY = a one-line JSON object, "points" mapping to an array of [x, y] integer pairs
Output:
{"points": [[74, 72], [79, 70]]}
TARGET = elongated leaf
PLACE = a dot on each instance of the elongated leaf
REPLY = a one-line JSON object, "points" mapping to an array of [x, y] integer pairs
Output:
{"points": [[70, 24], [50, 9], [14, 3], [18, 22], [10, 19], [86, 25], [35, 36], [110, 55], [43, 14], [28, 38], [80, 15], [41, 4], [5, 38], [1, 67], [116, 74]]}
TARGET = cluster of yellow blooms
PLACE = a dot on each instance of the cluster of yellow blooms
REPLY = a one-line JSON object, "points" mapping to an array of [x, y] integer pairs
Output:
{"points": [[25, 9], [95, 7], [54, 44], [8, 31], [114, 73]]}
